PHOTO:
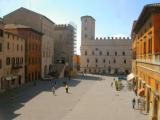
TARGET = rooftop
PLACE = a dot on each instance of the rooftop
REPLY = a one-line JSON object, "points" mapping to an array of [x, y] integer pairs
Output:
{"points": [[87, 16], [147, 11], [18, 26]]}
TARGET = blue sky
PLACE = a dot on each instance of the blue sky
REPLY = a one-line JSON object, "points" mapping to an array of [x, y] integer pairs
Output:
{"points": [[113, 17]]}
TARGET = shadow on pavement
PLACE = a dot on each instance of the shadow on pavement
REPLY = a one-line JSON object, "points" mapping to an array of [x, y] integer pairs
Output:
{"points": [[13, 100], [88, 77]]}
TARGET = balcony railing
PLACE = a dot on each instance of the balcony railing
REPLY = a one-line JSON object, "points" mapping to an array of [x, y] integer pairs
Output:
{"points": [[16, 66], [149, 58]]}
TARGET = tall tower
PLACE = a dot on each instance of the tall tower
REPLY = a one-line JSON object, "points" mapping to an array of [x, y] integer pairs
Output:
{"points": [[87, 28]]}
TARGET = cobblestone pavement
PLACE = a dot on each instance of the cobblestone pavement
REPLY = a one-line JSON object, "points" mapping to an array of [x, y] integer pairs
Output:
{"points": [[90, 98]]}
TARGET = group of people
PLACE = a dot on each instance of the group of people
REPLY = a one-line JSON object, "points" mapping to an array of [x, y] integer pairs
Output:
{"points": [[117, 85], [55, 85], [134, 102]]}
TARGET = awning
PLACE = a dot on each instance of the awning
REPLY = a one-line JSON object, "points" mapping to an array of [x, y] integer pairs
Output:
{"points": [[141, 92], [130, 76], [8, 78]]}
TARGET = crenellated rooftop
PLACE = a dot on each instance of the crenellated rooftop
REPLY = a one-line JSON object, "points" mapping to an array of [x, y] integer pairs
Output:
{"points": [[63, 26], [112, 38]]}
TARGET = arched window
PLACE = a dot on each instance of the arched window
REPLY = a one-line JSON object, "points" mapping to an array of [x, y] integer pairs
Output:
{"points": [[124, 61]]}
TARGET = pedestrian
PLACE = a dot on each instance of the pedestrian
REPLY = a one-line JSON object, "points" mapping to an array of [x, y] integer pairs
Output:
{"points": [[138, 102], [66, 87], [133, 102], [116, 85], [55, 84], [111, 84], [53, 90], [135, 91]]}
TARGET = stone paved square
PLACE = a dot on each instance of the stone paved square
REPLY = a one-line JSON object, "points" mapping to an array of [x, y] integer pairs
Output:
{"points": [[90, 98]]}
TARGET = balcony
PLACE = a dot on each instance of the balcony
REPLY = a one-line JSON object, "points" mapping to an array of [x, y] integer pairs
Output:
{"points": [[150, 58], [16, 66]]}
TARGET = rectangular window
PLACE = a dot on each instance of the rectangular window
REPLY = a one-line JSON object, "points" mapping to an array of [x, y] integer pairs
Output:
{"points": [[1, 33], [144, 46], [115, 53], [87, 60], [85, 36], [92, 52], [96, 60], [100, 53], [150, 42], [85, 52], [104, 60], [96, 49], [7, 61], [0, 64], [0, 47], [107, 53]]}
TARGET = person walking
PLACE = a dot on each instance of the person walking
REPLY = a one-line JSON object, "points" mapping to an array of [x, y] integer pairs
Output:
{"points": [[53, 90], [66, 87], [111, 84], [138, 102], [133, 103], [55, 84]]}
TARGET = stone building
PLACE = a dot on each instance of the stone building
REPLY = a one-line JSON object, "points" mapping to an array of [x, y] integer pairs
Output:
{"points": [[14, 60], [64, 37], [33, 49], [103, 55], [1, 55], [41, 24], [146, 58]]}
